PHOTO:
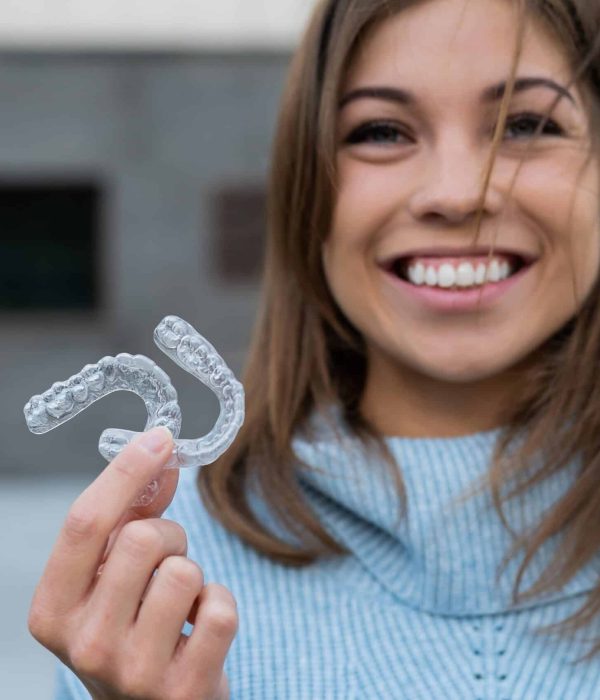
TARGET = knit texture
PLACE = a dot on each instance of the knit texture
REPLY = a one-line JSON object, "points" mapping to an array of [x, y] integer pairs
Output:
{"points": [[414, 611]]}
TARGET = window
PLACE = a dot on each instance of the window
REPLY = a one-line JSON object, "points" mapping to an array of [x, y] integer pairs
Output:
{"points": [[49, 246], [239, 232]]}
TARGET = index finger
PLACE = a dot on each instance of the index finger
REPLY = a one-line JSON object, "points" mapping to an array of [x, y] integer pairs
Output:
{"points": [[82, 541]]}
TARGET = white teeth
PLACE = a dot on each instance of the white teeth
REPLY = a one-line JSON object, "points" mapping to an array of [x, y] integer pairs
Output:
{"points": [[480, 273], [493, 274], [446, 276], [431, 276], [416, 273], [465, 275]]}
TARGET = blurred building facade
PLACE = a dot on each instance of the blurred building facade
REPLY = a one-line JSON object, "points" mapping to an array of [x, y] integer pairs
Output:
{"points": [[132, 180]]}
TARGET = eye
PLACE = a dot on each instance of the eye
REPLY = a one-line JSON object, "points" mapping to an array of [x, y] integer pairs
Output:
{"points": [[382, 132], [376, 132], [527, 124]]}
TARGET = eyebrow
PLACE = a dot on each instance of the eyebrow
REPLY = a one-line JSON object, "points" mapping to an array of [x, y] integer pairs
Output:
{"points": [[490, 94]]}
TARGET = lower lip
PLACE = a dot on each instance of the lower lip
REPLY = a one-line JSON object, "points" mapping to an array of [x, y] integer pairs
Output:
{"points": [[472, 299]]}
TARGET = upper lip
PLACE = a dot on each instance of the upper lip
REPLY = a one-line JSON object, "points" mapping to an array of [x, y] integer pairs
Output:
{"points": [[445, 251]]}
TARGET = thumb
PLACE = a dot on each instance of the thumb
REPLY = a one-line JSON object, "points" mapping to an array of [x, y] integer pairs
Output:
{"points": [[167, 482]]}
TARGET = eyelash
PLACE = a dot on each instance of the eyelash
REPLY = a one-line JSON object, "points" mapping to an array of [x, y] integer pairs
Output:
{"points": [[365, 131]]}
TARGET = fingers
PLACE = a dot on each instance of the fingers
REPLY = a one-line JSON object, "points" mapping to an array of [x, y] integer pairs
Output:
{"points": [[140, 547], [176, 585], [121, 630], [126, 640], [83, 538], [215, 627], [167, 484]]}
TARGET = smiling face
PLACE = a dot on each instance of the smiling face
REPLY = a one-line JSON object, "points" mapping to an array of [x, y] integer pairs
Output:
{"points": [[410, 177]]}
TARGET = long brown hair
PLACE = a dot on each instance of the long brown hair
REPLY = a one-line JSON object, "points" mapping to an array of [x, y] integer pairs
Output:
{"points": [[305, 355]]}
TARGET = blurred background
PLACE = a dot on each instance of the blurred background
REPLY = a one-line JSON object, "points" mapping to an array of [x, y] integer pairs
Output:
{"points": [[134, 148]]}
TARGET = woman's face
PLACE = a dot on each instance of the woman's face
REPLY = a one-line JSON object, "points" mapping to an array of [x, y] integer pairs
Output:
{"points": [[410, 177]]}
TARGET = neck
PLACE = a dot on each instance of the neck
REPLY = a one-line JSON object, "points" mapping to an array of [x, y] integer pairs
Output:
{"points": [[399, 401]]}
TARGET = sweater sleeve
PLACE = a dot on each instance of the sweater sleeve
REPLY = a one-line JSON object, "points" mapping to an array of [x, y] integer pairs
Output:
{"points": [[68, 686]]}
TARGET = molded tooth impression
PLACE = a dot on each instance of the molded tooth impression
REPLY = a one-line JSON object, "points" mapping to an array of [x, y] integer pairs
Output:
{"points": [[140, 375]]}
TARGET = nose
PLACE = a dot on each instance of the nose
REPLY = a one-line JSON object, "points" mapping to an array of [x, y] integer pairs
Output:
{"points": [[452, 184]]}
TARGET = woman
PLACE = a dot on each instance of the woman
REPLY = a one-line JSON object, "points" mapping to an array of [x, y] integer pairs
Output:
{"points": [[411, 509]]}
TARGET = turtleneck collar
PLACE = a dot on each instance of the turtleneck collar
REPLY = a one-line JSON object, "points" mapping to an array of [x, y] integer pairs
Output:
{"points": [[440, 557]]}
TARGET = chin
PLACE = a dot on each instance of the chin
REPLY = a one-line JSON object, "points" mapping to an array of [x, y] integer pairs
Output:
{"points": [[461, 374], [458, 368]]}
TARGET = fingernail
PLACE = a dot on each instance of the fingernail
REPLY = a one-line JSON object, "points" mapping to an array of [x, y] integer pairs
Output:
{"points": [[154, 440]]}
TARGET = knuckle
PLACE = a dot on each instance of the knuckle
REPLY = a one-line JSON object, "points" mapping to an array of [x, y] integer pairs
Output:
{"points": [[139, 538], [221, 617], [80, 525], [91, 655], [39, 626], [183, 573]]}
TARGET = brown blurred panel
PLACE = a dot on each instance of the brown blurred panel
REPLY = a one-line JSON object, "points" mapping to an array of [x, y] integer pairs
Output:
{"points": [[239, 232]]}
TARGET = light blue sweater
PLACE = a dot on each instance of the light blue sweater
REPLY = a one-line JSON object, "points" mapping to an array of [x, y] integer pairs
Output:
{"points": [[413, 612]]}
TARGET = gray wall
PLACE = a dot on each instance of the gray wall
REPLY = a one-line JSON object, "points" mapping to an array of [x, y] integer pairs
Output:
{"points": [[162, 133]]}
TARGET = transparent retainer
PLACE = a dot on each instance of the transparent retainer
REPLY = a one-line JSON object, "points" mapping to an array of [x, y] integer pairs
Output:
{"points": [[140, 375]]}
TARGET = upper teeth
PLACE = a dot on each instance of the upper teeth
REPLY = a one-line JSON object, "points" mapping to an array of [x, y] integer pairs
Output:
{"points": [[462, 275]]}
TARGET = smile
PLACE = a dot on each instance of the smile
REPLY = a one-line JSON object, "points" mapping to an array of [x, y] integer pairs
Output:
{"points": [[456, 272], [457, 288]]}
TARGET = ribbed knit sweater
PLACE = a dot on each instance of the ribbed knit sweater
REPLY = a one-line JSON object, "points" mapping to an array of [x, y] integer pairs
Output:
{"points": [[413, 612]]}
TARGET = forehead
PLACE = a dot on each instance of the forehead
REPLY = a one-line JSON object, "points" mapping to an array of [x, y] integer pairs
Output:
{"points": [[451, 46]]}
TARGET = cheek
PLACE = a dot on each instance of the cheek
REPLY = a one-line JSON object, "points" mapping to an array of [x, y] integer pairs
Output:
{"points": [[368, 197], [345, 271], [560, 193], [563, 200]]}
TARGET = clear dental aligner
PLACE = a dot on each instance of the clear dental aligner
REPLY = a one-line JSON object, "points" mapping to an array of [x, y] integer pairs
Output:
{"points": [[193, 353], [140, 375]]}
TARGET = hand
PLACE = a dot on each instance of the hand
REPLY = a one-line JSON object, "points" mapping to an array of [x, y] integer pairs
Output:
{"points": [[101, 611]]}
